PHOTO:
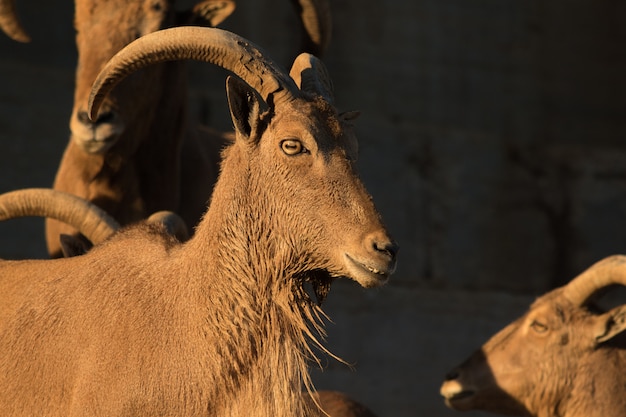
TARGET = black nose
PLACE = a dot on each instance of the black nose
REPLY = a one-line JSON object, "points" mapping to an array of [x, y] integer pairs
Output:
{"points": [[105, 117], [388, 247], [452, 375]]}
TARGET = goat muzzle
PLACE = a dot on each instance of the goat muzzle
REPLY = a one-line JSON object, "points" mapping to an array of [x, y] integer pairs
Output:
{"points": [[96, 136]]}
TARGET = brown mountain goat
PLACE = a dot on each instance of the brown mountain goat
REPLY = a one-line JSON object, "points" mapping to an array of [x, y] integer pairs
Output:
{"points": [[142, 154], [561, 359], [219, 325], [96, 225]]}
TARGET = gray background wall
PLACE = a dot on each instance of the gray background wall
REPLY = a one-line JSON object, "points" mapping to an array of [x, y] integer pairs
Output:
{"points": [[491, 139]]}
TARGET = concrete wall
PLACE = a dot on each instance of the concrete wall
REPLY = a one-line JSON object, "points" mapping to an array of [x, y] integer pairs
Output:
{"points": [[491, 139]]}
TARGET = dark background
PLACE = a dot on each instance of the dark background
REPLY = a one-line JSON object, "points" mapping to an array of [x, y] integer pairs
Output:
{"points": [[491, 136]]}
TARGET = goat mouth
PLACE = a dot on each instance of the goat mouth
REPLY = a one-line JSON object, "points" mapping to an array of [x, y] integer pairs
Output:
{"points": [[455, 396], [97, 146], [96, 139], [368, 274], [460, 401]]}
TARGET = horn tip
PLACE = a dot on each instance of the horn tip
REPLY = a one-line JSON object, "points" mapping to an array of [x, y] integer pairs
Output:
{"points": [[23, 37], [93, 106], [19, 36]]}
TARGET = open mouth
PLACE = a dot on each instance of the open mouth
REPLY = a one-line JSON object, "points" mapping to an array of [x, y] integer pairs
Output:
{"points": [[456, 399], [460, 396], [95, 138], [97, 146], [368, 274]]}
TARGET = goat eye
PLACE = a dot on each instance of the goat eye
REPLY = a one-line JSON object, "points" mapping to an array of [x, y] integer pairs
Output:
{"points": [[292, 147], [538, 327], [157, 6]]}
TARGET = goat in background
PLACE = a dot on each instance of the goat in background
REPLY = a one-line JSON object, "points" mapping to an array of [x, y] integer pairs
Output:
{"points": [[564, 357]]}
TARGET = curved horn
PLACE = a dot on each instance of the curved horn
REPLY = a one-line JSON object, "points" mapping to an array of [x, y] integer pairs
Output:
{"points": [[317, 21], [213, 45], [10, 24], [608, 271], [311, 75], [87, 218]]}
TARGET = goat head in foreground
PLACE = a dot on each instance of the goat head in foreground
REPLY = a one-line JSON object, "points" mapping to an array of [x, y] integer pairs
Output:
{"points": [[221, 324], [562, 358], [305, 130]]}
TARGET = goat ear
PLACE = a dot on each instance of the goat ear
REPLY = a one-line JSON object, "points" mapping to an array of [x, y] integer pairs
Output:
{"points": [[207, 13], [610, 324], [244, 106], [349, 116], [74, 245]]}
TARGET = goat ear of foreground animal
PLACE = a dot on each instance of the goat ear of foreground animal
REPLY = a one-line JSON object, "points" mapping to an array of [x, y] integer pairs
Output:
{"points": [[244, 106], [610, 324], [74, 245]]}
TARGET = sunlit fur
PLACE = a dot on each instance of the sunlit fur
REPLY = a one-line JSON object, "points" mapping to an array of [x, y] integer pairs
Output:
{"points": [[219, 325]]}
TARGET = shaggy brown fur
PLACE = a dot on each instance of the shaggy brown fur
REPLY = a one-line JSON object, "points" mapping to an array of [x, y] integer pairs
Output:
{"points": [[219, 325], [561, 359]]}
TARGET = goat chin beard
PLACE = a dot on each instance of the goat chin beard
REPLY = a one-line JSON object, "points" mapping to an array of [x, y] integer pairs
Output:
{"points": [[320, 281]]}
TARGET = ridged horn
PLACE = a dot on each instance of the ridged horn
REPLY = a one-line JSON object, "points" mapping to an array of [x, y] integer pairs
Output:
{"points": [[216, 46], [311, 76], [87, 218], [9, 22], [608, 271], [317, 22]]}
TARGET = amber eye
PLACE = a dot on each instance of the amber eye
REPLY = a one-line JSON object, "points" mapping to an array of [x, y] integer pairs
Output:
{"points": [[538, 327], [292, 146]]}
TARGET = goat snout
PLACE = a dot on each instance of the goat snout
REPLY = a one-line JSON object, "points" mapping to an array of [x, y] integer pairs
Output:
{"points": [[96, 136], [381, 246], [386, 247], [104, 117], [457, 394], [374, 261], [454, 374]]}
